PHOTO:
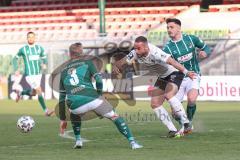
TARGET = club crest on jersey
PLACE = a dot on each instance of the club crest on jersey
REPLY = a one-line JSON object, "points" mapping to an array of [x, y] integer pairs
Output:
{"points": [[190, 46], [174, 52]]}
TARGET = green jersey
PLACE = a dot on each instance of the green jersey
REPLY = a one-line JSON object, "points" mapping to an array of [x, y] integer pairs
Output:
{"points": [[184, 51], [33, 56], [76, 83]]}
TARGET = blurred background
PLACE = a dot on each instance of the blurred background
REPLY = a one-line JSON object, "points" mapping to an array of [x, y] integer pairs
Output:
{"points": [[107, 27]]}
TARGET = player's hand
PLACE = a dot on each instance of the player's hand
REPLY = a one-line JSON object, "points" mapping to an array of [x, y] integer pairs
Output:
{"points": [[63, 126], [191, 74], [202, 54], [17, 73], [43, 66]]}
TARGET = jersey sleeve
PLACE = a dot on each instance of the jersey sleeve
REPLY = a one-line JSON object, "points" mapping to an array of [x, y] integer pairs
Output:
{"points": [[131, 56], [15, 59], [43, 55], [160, 55], [199, 43], [96, 76]]}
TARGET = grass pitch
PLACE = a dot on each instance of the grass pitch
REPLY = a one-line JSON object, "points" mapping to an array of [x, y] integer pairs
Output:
{"points": [[216, 135]]}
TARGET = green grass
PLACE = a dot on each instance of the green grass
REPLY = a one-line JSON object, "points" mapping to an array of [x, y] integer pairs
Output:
{"points": [[216, 135]]}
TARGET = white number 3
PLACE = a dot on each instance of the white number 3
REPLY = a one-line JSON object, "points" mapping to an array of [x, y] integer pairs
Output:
{"points": [[74, 78]]}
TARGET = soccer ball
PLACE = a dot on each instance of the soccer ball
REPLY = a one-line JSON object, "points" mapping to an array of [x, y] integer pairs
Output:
{"points": [[25, 124]]}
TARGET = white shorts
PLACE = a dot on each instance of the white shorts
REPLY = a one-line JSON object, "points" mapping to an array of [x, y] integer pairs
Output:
{"points": [[34, 81], [100, 106], [186, 85]]}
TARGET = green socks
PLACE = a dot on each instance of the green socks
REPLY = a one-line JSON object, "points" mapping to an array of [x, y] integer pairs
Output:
{"points": [[76, 125], [123, 128], [191, 111], [40, 98], [26, 92], [42, 103]]}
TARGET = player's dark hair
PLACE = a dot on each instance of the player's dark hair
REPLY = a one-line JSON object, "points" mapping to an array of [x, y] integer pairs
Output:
{"points": [[141, 39], [174, 20], [30, 33], [75, 49]]}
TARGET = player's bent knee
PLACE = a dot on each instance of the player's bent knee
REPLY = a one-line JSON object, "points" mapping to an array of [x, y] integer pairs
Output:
{"points": [[111, 115], [155, 105], [38, 91], [34, 92]]}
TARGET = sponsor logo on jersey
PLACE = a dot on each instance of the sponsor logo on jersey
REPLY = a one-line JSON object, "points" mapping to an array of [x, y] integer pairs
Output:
{"points": [[33, 57], [185, 57]]}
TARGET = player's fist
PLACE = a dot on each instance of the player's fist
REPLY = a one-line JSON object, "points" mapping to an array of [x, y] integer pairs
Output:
{"points": [[43, 66], [202, 54], [191, 74], [63, 126], [17, 73]]}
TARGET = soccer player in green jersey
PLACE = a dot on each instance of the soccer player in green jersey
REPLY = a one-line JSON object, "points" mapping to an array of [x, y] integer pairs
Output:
{"points": [[35, 60], [77, 90], [182, 48]]}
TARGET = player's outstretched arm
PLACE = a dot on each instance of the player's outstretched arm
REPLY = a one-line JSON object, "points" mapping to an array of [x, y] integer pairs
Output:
{"points": [[202, 55], [62, 110], [181, 68], [117, 65]]}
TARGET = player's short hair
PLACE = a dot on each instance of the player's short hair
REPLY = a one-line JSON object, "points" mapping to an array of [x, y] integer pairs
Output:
{"points": [[30, 33], [141, 39], [174, 20], [75, 49]]}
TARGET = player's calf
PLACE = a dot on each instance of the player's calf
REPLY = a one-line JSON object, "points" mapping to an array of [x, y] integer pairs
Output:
{"points": [[18, 95]]}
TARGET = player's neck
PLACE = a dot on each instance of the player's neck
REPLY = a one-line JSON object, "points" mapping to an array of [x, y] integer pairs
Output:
{"points": [[31, 44], [177, 38]]}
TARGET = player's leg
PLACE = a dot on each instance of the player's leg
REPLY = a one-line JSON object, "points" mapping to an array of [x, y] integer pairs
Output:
{"points": [[22, 93], [180, 95], [35, 83], [48, 112], [170, 92], [76, 125], [175, 104], [106, 110], [191, 106], [157, 99], [161, 113], [192, 94]]}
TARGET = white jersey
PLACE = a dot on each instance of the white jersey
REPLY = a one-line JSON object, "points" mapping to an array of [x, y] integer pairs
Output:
{"points": [[154, 63]]}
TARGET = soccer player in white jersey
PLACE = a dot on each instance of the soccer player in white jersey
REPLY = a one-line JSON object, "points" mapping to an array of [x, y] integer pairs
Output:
{"points": [[170, 74], [182, 47], [35, 61]]}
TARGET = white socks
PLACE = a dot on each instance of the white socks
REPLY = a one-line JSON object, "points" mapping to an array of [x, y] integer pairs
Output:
{"points": [[178, 109], [162, 114]]}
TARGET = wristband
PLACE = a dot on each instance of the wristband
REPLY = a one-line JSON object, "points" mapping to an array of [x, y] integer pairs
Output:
{"points": [[185, 71]]}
